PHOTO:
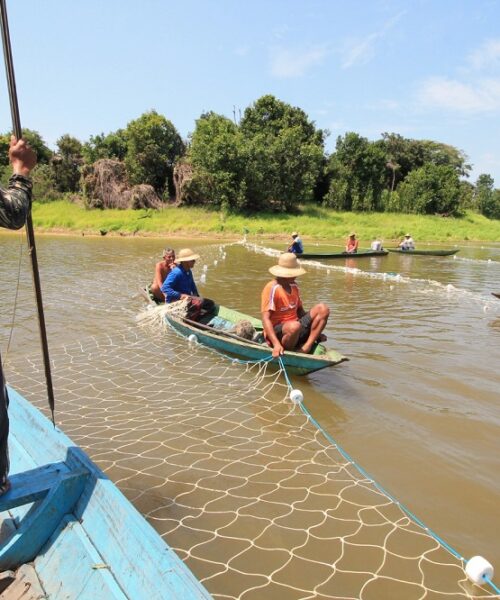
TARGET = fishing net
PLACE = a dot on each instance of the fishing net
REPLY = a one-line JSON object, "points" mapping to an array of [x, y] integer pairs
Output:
{"points": [[239, 480]]}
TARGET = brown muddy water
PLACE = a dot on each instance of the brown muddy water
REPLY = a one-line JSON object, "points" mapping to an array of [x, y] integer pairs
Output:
{"points": [[417, 405]]}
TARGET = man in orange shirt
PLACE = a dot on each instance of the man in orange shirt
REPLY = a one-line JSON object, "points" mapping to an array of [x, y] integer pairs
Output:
{"points": [[287, 326]]}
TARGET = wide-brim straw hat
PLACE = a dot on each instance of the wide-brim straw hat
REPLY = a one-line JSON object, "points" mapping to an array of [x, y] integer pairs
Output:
{"points": [[352, 234], [407, 235], [185, 255], [288, 266], [295, 233]]}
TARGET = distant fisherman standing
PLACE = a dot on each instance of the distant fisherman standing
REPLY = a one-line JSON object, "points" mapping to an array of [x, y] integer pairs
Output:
{"points": [[15, 204]]}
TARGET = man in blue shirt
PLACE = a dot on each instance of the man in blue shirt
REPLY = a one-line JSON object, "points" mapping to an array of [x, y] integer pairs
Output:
{"points": [[296, 246], [180, 285]]}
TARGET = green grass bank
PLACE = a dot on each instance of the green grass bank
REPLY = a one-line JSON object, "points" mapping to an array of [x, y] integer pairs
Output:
{"points": [[312, 222]]}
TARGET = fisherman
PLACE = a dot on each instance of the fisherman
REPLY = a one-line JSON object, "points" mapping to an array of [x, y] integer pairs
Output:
{"points": [[351, 245], [376, 245], [287, 326], [296, 246], [407, 243], [15, 204], [162, 269], [180, 285]]}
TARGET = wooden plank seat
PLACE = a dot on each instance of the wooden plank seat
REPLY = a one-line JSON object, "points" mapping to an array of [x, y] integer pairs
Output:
{"points": [[55, 490]]}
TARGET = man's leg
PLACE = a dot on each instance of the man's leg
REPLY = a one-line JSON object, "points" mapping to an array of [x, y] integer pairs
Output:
{"points": [[290, 334], [319, 318]]}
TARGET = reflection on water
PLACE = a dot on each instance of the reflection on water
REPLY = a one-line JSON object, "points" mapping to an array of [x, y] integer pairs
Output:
{"points": [[417, 405]]}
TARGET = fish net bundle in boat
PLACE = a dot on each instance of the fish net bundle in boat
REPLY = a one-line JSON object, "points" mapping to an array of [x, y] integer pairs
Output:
{"points": [[235, 477]]}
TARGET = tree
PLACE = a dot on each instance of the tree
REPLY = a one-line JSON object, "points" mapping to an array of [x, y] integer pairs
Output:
{"points": [[153, 145], [285, 154], [66, 163], [432, 189], [409, 154], [487, 198], [113, 146], [218, 161], [357, 173], [35, 140]]}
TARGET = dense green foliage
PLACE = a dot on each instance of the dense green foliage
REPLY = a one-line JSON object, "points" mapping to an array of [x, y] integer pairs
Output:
{"points": [[66, 164], [273, 160], [153, 145], [487, 198]]}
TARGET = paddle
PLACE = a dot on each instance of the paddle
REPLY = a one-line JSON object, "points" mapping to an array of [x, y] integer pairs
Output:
{"points": [[496, 295]]}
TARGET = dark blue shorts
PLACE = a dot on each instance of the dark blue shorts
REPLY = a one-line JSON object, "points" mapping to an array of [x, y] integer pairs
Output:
{"points": [[305, 329]]}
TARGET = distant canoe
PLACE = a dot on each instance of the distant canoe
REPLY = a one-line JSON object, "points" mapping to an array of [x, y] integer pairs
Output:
{"points": [[362, 254], [425, 252], [215, 333], [497, 295]]}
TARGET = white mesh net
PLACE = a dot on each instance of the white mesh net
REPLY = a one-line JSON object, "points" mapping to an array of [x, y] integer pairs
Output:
{"points": [[235, 477]]}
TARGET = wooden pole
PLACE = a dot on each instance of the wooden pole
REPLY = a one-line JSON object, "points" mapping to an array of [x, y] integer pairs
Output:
{"points": [[30, 234]]}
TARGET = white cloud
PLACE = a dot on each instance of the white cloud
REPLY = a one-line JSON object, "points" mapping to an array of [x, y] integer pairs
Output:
{"points": [[482, 96], [286, 63], [487, 55], [359, 52]]}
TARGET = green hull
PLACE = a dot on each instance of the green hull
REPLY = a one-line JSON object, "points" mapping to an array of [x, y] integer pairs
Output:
{"points": [[362, 254], [295, 362], [424, 252]]}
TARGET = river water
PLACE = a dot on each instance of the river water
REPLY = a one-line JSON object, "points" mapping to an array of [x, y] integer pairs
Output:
{"points": [[417, 405]]}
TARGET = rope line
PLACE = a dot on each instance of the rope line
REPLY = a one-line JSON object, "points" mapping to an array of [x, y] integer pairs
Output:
{"points": [[363, 472]]}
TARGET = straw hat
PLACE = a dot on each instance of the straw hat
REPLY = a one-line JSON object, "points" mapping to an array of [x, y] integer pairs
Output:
{"points": [[288, 266], [407, 235], [295, 234], [185, 255], [352, 234]]}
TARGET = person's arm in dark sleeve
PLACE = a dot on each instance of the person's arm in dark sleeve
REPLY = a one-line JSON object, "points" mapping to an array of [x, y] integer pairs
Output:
{"points": [[15, 202]]}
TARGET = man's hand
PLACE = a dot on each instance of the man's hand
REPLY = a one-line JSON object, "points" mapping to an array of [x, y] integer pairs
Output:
{"points": [[22, 157], [278, 350]]}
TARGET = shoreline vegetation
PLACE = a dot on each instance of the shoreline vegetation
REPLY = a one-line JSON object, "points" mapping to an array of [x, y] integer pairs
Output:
{"points": [[313, 223]]}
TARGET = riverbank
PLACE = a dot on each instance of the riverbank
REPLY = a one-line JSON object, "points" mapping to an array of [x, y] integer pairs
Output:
{"points": [[314, 223]]}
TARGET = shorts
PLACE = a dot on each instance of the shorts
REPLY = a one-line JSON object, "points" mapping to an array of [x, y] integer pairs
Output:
{"points": [[305, 329]]}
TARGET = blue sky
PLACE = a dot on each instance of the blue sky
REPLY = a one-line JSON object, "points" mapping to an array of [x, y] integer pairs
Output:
{"points": [[427, 69]]}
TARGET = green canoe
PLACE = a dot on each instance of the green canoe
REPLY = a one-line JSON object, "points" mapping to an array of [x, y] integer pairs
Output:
{"points": [[215, 332], [361, 254], [424, 252]]}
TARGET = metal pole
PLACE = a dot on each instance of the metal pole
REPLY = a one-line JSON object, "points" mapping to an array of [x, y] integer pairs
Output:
{"points": [[30, 234]]}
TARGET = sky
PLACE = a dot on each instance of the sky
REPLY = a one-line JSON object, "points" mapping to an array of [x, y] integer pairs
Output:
{"points": [[426, 69]]}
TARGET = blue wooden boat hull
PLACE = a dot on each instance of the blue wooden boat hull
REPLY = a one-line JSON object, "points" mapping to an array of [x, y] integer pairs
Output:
{"points": [[360, 254], [424, 252], [295, 362], [99, 548]]}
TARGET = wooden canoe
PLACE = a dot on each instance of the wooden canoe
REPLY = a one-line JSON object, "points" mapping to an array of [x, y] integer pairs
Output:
{"points": [[360, 254], [81, 538], [213, 333], [424, 252]]}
